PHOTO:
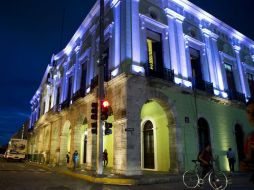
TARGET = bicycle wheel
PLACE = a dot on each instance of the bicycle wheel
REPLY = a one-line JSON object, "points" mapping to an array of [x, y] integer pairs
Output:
{"points": [[190, 179], [218, 180]]}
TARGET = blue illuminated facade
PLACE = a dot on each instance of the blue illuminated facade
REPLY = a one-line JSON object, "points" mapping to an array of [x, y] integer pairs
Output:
{"points": [[155, 50]]}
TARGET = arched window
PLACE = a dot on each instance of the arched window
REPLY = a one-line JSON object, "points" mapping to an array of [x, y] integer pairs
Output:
{"points": [[239, 137], [203, 133], [148, 138]]}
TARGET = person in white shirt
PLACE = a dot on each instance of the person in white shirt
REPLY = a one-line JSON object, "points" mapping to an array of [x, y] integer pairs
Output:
{"points": [[231, 159]]}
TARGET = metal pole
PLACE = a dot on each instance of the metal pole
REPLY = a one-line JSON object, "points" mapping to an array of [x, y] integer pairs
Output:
{"points": [[99, 169]]}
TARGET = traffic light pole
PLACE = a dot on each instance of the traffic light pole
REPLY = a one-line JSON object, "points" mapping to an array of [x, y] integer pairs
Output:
{"points": [[99, 161]]}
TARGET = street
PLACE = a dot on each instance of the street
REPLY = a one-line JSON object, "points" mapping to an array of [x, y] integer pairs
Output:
{"points": [[22, 176]]}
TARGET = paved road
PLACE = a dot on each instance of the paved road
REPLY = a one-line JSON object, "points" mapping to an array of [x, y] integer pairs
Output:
{"points": [[20, 176]]}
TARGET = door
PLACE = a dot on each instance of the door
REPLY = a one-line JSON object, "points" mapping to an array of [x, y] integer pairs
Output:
{"points": [[148, 138]]}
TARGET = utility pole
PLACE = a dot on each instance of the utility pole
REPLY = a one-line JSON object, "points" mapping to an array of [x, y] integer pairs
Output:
{"points": [[99, 169]]}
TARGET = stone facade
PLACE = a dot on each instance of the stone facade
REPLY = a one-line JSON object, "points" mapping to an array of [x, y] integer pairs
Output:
{"points": [[175, 77]]}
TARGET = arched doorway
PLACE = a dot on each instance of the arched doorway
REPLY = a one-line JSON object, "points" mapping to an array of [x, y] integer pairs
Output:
{"points": [[203, 133], [65, 142], [239, 137], [83, 143], [148, 150], [85, 148], [156, 137]]}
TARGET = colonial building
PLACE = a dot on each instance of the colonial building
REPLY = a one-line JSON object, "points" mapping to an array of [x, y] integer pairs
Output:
{"points": [[176, 78]]}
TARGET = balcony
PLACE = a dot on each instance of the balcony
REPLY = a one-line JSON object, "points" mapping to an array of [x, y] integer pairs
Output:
{"points": [[80, 93], [65, 104], [234, 95], [167, 74], [202, 85]]}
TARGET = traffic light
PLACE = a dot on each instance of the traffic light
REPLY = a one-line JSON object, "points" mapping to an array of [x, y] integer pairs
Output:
{"points": [[108, 129], [104, 110], [94, 128], [94, 111]]}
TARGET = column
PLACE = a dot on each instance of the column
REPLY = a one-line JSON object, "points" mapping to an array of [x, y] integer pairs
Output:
{"points": [[221, 74], [115, 5], [240, 70], [64, 81], [135, 32], [126, 35], [91, 65], [181, 47], [172, 42], [76, 81], [211, 62]]}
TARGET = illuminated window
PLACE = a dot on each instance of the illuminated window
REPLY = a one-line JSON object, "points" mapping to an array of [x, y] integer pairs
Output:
{"points": [[154, 54], [150, 54]]}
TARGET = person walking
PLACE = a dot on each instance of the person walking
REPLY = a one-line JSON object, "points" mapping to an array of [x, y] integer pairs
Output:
{"points": [[249, 143], [231, 159], [75, 159], [68, 158], [105, 158]]}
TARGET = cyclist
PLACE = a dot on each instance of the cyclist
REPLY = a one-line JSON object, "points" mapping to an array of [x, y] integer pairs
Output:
{"points": [[205, 158]]}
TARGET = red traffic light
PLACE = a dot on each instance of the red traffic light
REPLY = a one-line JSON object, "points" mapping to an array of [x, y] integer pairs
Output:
{"points": [[104, 110], [105, 104]]}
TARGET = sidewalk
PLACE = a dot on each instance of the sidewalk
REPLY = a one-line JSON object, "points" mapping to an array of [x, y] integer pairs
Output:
{"points": [[108, 178]]}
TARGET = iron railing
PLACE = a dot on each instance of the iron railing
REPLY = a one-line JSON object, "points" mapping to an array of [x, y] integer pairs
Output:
{"points": [[202, 85], [234, 95]]}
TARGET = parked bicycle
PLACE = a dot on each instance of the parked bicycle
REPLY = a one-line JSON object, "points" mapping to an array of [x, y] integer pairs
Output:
{"points": [[192, 178]]}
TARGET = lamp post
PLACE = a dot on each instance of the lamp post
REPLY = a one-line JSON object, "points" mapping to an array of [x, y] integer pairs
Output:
{"points": [[99, 164]]}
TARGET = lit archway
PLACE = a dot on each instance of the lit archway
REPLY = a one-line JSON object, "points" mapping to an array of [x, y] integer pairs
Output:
{"points": [[65, 142], [155, 136]]}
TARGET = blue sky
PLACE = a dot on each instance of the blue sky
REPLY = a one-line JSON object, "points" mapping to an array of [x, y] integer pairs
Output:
{"points": [[31, 31]]}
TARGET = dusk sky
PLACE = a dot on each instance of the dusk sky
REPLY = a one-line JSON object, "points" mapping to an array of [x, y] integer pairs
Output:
{"points": [[32, 30]]}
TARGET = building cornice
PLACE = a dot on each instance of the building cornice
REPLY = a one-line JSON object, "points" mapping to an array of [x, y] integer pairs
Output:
{"points": [[203, 15], [174, 14]]}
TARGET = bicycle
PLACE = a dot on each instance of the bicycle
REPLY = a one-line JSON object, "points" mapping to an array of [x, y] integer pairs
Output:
{"points": [[217, 179]]}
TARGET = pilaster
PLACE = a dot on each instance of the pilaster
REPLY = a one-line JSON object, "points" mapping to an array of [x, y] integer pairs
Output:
{"points": [[91, 149], [177, 43], [115, 5], [240, 72], [210, 58], [64, 81], [76, 81], [135, 32]]}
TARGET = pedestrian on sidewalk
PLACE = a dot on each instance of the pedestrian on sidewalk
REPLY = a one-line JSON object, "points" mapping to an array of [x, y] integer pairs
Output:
{"points": [[249, 143], [75, 159], [68, 157], [105, 158], [231, 159]]}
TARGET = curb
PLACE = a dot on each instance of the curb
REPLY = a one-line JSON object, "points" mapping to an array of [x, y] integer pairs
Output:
{"points": [[101, 180]]}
